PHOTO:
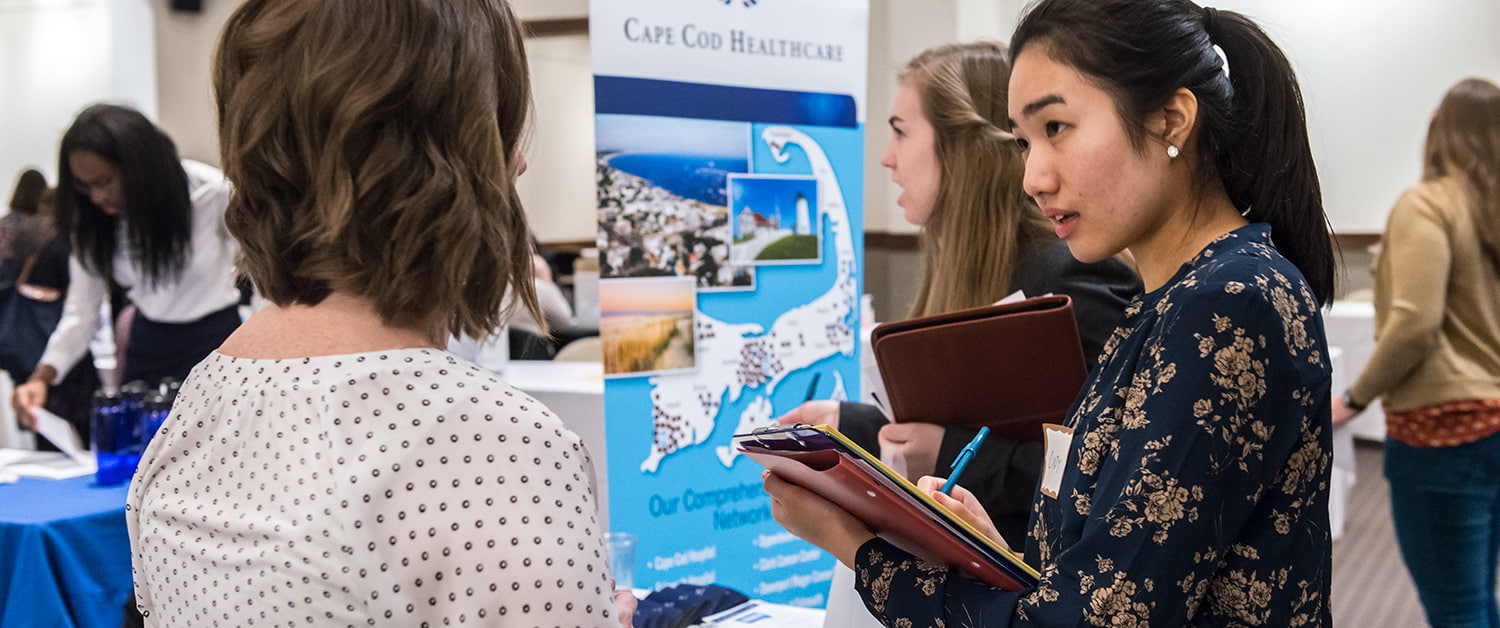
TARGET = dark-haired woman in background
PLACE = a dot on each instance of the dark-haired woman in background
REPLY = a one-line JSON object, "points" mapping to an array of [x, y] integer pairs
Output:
{"points": [[34, 281], [1437, 362], [23, 234], [139, 217], [1192, 488]]}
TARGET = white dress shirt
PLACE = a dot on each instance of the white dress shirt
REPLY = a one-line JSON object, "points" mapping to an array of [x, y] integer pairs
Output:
{"points": [[206, 284]]}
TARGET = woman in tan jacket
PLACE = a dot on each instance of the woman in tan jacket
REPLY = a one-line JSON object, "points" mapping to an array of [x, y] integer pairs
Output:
{"points": [[1437, 362]]}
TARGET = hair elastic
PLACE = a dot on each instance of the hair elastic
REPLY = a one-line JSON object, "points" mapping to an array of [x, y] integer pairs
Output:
{"points": [[1211, 22], [1212, 26]]}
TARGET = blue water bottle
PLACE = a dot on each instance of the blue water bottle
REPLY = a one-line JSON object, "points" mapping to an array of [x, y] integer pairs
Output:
{"points": [[154, 412], [112, 439], [134, 394]]}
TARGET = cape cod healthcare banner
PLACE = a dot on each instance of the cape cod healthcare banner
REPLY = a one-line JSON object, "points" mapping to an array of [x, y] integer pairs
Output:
{"points": [[730, 153]]}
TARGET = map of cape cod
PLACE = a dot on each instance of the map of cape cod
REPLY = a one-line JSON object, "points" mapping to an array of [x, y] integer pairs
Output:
{"points": [[745, 358]]}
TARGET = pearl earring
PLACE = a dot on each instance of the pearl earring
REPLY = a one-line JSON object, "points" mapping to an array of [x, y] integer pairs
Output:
{"points": [[1172, 152]]}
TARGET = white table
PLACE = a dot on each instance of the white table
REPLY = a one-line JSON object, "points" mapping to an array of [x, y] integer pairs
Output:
{"points": [[575, 392], [1341, 477], [1350, 326]]}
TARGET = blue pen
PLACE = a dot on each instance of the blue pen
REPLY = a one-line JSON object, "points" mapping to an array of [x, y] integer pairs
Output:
{"points": [[964, 456], [812, 389]]}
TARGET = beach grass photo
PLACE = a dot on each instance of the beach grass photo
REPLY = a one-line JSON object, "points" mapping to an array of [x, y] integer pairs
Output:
{"points": [[646, 325]]}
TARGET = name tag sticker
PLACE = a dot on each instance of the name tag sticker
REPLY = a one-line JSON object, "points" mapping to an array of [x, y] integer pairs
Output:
{"points": [[1059, 441]]}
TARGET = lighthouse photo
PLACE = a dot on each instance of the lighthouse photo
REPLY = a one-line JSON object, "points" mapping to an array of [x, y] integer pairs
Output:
{"points": [[774, 220]]}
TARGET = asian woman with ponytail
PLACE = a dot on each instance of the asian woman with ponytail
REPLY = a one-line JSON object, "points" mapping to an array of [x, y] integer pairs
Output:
{"points": [[1194, 490]]}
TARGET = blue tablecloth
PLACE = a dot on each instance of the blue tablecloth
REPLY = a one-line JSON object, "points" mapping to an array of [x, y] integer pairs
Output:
{"points": [[64, 554]]}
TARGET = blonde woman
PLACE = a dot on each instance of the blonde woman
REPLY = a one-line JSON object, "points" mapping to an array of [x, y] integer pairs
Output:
{"points": [[1437, 362], [330, 464], [982, 238]]}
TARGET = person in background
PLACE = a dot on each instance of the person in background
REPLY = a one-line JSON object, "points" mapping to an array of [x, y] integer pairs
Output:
{"points": [[138, 216], [555, 307], [23, 233], [960, 175], [33, 283], [1436, 363], [1193, 490], [25, 198], [395, 484], [533, 341]]}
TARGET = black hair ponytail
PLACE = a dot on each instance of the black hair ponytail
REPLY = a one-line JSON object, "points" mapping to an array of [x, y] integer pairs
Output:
{"points": [[1252, 127], [1266, 161]]}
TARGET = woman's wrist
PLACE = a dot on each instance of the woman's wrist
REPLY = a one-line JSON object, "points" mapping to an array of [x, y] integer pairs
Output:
{"points": [[1352, 403], [849, 545], [44, 373]]}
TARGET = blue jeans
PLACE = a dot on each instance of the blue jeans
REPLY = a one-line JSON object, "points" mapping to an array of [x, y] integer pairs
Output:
{"points": [[1445, 503]]}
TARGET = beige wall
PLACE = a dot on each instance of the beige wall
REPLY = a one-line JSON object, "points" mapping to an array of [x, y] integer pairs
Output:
{"points": [[558, 191], [558, 187], [57, 58], [184, 45], [550, 9]]}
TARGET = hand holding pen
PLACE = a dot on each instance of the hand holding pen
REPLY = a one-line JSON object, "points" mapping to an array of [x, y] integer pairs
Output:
{"points": [[963, 504], [963, 459]]}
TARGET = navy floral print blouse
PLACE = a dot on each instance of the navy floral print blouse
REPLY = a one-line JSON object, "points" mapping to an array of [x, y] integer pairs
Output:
{"points": [[1196, 487]]}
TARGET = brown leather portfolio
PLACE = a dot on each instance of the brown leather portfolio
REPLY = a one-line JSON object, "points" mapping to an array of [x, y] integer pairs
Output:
{"points": [[825, 462], [1011, 367]]}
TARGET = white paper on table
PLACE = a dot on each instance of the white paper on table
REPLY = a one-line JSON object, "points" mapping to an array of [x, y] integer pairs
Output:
{"points": [[12, 456], [11, 434], [50, 465], [762, 613], [60, 433]]}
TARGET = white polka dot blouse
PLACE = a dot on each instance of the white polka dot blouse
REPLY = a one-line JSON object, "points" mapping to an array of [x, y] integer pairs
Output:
{"points": [[398, 488]]}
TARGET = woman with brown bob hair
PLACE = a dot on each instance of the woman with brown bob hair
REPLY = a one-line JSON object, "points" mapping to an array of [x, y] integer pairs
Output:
{"points": [[330, 463]]}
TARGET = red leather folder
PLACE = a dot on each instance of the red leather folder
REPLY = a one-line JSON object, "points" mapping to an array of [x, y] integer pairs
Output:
{"points": [[820, 459], [1011, 367]]}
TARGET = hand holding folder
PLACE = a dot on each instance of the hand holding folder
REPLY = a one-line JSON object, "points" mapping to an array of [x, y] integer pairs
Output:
{"points": [[1010, 367], [823, 461]]}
